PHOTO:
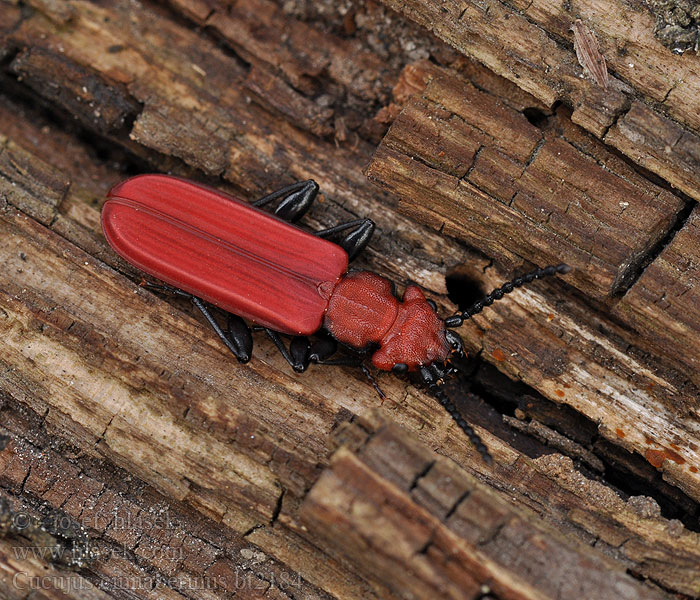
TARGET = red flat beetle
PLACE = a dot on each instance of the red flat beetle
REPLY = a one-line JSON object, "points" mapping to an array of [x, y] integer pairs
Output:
{"points": [[212, 247]]}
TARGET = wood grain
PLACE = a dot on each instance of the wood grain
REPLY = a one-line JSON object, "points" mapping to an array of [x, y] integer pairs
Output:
{"points": [[663, 304], [393, 503], [493, 179], [462, 189], [120, 409], [531, 44]]}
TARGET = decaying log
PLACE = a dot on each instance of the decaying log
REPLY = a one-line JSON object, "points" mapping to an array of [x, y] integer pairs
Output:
{"points": [[664, 303], [483, 192], [522, 41], [488, 176], [196, 477], [394, 506]]}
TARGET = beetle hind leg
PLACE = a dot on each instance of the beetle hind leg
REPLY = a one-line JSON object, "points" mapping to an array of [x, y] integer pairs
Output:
{"points": [[237, 337], [356, 239], [296, 200], [298, 353]]}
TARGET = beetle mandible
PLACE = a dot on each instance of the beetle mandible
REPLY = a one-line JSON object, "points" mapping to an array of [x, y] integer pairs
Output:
{"points": [[216, 249]]}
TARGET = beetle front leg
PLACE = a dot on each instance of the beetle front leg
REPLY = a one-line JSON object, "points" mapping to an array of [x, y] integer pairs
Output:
{"points": [[355, 241], [297, 200]]}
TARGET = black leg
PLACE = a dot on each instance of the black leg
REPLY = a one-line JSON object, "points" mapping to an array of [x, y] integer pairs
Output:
{"points": [[373, 382], [298, 354], [455, 342], [163, 287], [354, 241], [297, 200], [237, 336], [323, 347], [301, 353]]}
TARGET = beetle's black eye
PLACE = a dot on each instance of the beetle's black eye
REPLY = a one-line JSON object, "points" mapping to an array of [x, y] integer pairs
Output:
{"points": [[400, 368], [432, 304], [454, 340]]}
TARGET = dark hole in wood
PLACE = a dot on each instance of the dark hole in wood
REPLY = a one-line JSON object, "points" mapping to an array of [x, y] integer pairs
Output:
{"points": [[542, 119], [537, 117], [629, 474], [463, 290]]}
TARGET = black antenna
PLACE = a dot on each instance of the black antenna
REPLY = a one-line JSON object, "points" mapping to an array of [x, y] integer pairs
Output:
{"points": [[449, 406], [458, 318], [433, 378]]}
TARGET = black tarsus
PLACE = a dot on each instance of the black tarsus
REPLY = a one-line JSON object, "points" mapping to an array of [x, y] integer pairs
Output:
{"points": [[354, 242], [296, 359], [457, 320], [237, 337], [373, 381], [298, 199], [357, 363]]}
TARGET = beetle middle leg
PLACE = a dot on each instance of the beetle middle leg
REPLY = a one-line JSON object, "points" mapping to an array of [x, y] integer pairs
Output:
{"points": [[302, 352], [356, 239]]}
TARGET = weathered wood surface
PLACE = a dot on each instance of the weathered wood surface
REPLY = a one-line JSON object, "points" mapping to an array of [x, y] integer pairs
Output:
{"points": [[490, 177], [442, 519], [664, 303], [120, 404], [518, 191], [531, 44]]}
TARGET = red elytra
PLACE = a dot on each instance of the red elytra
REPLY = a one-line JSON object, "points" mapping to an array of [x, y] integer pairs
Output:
{"points": [[254, 265]]}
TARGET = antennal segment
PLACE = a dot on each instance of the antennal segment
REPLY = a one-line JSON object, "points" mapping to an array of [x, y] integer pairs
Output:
{"points": [[458, 318]]}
